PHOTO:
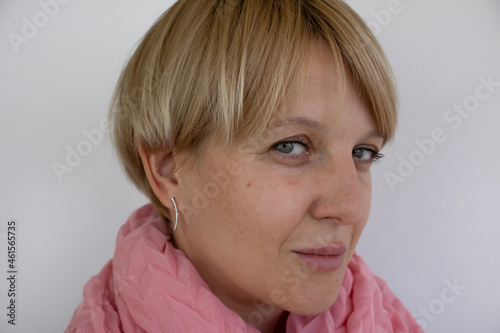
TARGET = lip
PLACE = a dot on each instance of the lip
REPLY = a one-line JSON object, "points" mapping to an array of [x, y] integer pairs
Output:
{"points": [[323, 259]]}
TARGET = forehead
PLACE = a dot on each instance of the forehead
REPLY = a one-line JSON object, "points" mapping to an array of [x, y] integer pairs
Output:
{"points": [[318, 82], [320, 86], [325, 104]]}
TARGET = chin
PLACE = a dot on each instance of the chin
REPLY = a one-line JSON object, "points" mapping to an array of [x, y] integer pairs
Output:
{"points": [[312, 304]]}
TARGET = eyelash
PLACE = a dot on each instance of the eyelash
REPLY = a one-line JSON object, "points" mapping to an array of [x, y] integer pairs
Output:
{"points": [[376, 155], [292, 141]]}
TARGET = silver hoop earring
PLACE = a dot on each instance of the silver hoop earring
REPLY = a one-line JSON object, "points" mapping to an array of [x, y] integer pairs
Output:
{"points": [[176, 214]]}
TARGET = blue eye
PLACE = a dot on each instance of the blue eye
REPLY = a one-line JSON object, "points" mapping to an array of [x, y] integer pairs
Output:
{"points": [[291, 147], [366, 155]]}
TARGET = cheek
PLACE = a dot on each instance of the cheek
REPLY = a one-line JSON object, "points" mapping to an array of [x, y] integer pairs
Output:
{"points": [[259, 210], [266, 204], [365, 194]]}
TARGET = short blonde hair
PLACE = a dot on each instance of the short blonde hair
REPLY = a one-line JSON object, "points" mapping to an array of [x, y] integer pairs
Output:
{"points": [[221, 68]]}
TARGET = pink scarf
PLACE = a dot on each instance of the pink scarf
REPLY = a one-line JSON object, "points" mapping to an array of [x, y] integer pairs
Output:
{"points": [[150, 286]]}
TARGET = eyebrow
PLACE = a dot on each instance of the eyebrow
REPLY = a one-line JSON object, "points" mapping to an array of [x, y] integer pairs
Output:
{"points": [[298, 121], [373, 134]]}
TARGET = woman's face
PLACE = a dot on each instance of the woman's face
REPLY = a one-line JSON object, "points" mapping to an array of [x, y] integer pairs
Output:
{"points": [[276, 219]]}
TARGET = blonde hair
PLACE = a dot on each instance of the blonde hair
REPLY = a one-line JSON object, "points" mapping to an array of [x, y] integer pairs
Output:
{"points": [[221, 68]]}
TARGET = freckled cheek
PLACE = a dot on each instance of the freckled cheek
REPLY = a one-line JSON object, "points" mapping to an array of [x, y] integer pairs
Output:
{"points": [[365, 192], [364, 188], [262, 206], [365, 183], [239, 204], [357, 228]]}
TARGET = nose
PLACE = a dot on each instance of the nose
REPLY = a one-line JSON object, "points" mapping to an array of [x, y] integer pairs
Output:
{"points": [[343, 194]]}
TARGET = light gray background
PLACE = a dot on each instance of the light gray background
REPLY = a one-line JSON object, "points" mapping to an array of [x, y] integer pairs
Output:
{"points": [[440, 225]]}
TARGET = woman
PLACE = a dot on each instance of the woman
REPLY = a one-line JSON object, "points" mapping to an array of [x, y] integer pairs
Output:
{"points": [[251, 126]]}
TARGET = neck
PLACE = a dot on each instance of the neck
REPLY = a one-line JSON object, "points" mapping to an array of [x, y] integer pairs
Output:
{"points": [[265, 317], [277, 325]]}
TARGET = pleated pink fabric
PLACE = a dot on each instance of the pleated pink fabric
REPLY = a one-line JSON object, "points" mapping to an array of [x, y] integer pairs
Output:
{"points": [[150, 286]]}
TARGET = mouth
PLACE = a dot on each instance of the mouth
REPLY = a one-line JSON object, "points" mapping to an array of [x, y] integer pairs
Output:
{"points": [[323, 259]]}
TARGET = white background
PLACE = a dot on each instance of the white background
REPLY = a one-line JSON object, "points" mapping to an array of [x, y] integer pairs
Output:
{"points": [[441, 224]]}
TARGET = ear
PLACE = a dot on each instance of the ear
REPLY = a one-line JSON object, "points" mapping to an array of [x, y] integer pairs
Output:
{"points": [[159, 167]]}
